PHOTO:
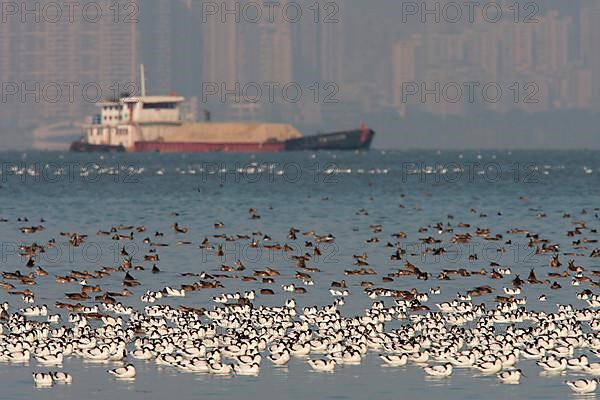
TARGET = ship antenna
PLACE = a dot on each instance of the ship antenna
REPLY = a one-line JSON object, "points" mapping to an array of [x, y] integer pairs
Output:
{"points": [[143, 78]]}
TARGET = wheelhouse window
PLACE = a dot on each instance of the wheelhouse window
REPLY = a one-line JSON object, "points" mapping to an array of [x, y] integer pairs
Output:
{"points": [[154, 106]]}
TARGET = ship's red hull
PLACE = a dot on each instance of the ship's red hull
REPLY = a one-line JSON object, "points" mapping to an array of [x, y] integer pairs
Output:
{"points": [[187, 147], [358, 139]]}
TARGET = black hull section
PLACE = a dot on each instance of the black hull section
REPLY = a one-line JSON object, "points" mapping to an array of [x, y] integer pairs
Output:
{"points": [[359, 139], [83, 147]]}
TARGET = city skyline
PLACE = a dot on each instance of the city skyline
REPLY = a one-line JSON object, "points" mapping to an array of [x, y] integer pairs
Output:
{"points": [[350, 62]]}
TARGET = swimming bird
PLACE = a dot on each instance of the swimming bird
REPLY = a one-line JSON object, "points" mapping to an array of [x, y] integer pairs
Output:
{"points": [[439, 370], [179, 229], [322, 365], [592, 369], [578, 363], [42, 379], [126, 372], [281, 358], [490, 367], [142, 354], [395, 360], [463, 360], [583, 385], [218, 368], [246, 369], [512, 377], [19, 356], [553, 364], [419, 357], [52, 359], [62, 377]]}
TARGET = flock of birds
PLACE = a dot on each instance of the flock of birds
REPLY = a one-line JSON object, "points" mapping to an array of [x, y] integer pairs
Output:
{"points": [[238, 335]]}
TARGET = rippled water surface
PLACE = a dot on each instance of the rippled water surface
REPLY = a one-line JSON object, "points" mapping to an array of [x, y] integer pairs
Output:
{"points": [[342, 194]]}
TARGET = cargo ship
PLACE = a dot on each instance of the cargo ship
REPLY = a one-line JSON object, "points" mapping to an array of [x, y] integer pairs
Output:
{"points": [[154, 124]]}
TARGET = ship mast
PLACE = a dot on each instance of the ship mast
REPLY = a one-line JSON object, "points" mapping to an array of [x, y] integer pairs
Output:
{"points": [[143, 78]]}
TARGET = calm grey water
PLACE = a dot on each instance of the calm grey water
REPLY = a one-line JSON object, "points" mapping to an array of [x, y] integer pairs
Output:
{"points": [[338, 193]]}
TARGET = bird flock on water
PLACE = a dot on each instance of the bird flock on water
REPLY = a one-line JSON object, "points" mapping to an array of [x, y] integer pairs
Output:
{"points": [[237, 335]]}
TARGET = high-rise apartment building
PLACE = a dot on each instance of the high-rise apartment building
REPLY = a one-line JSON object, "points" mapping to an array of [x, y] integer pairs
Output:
{"points": [[405, 63], [62, 67], [221, 47]]}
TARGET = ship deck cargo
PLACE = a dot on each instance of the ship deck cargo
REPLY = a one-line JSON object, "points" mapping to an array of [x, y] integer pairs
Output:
{"points": [[203, 147], [224, 132]]}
